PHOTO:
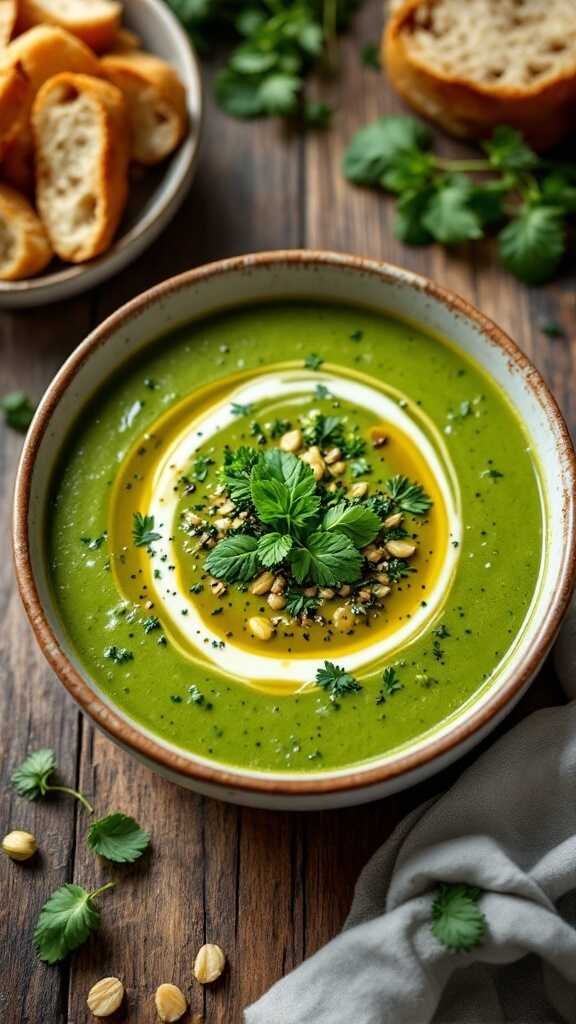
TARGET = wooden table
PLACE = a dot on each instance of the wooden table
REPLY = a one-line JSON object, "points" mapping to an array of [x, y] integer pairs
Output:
{"points": [[269, 888]]}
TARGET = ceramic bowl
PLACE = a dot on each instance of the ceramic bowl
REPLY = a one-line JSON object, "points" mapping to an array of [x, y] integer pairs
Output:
{"points": [[156, 197], [316, 276]]}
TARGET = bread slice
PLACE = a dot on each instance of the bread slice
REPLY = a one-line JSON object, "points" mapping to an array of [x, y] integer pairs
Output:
{"points": [[82, 150], [17, 166], [156, 102], [125, 41], [35, 57], [96, 22], [24, 246], [470, 66], [8, 15]]}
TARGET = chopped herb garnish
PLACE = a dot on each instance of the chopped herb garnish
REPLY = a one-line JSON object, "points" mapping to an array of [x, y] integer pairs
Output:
{"points": [[390, 685], [336, 681], [279, 427], [201, 466], [196, 588], [119, 655], [143, 530], [94, 543], [441, 632], [408, 497], [321, 391], [150, 624], [237, 409], [357, 335], [313, 361], [300, 606], [18, 410], [194, 695], [492, 474]]}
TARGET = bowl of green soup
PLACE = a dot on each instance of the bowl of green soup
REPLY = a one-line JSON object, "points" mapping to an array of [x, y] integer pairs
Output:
{"points": [[296, 529]]}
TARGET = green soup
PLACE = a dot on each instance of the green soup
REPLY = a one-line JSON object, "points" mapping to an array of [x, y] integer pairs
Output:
{"points": [[295, 537]]}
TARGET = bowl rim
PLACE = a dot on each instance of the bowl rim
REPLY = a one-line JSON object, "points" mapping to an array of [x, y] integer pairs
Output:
{"points": [[142, 744], [127, 246]]}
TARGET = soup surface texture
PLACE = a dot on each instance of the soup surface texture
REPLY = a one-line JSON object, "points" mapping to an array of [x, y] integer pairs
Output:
{"points": [[295, 537]]}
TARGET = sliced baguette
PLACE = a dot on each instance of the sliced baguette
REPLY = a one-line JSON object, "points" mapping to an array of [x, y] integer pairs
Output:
{"points": [[96, 22], [35, 57], [82, 150], [472, 66], [156, 102], [17, 167], [24, 246], [125, 41]]}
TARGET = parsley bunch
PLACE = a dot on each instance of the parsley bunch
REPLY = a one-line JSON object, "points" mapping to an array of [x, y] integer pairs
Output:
{"points": [[320, 548], [277, 43], [524, 197]]}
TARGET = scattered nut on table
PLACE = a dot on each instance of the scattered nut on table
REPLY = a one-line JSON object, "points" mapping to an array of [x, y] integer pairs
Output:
{"points": [[105, 997], [170, 1002], [19, 845], [209, 964]]}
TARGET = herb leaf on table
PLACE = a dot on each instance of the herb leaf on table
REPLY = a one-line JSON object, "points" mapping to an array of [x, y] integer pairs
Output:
{"points": [[18, 410], [66, 921], [118, 838], [30, 779]]}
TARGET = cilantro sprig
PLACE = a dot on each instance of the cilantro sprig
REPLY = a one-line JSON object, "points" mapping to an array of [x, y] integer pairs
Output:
{"points": [[277, 45], [527, 198], [66, 921], [336, 681], [118, 838], [457, 921], [143, 532], [31, 778], [322, 548]]}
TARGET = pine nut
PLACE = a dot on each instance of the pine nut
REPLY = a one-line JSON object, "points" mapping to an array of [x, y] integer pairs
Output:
{"points": [[327, 593], [260, 627], [334, 455], [358, 490], [343, 619], [292, 441], [276, 602], [337, 469], [392, 521], [401, 548], [262, 584]]}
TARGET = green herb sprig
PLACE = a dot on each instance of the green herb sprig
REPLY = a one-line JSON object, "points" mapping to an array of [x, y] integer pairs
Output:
{"points": [[336, 681], [526, 198], [277, 44], [18, 410], [118, 838], [31, 778], [66, 921]]}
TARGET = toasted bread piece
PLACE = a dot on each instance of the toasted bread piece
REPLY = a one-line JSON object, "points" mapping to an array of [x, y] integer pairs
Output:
{"points": [[14, 90], [8, 15], [24, 246], [96, 22], [81, 138], [35, 57], [125, 41], [156, 101], [472, 66]]}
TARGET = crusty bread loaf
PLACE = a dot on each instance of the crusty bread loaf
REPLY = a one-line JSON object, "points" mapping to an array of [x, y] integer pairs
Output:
{"points": [[96, 22], [17, 166], [125, 41], [14, 89], [8, 15], [156, 102], [472, 65], [24, 246], [82, 150]]}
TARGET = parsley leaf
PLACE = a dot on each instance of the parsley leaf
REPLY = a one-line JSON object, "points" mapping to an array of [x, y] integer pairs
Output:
{"points": [[30, 779], [507, 150], [390, 684], [119, 655], [236, 473], [409, 497], [532, 245], [143, 530], [237, 409], [359, 523], [458, 922], [117, 838], [360, 467], [297, 604], [273, 548], [449, 218], [66, 920], [313, 362], [18, 410], [234, 558], [336, 680], [283, 490], [326, 559], [374, 148]]}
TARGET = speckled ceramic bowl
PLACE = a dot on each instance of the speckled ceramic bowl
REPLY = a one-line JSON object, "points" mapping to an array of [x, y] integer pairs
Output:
{"points": [[155, 198], [315, 276]]}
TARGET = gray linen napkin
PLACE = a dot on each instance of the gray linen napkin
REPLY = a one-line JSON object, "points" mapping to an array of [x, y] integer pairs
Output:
{"points": [[508, 825]]}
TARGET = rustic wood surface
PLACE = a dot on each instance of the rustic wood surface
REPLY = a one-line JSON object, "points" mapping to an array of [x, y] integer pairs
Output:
{"points": [[269, 888]]}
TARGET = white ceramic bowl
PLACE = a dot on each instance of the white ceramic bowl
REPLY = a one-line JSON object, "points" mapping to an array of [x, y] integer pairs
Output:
{"points": [[317, 276], [155, 199]]}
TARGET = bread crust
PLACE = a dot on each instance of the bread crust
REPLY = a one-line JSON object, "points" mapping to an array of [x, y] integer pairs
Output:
{"points": [[8, 15], [31, 251], [151, 84], [97, 32], [110, 175], [542, 111]]}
